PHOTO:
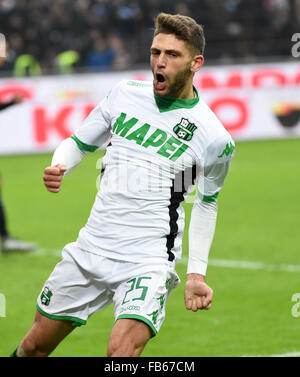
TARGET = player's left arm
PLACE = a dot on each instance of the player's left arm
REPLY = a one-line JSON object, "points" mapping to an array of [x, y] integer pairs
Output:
{"points": [[198, 294]]}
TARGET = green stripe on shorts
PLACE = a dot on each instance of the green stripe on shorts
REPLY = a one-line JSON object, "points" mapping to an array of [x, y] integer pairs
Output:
{"points": [[140, 318], [76, 321], [208, 199]]}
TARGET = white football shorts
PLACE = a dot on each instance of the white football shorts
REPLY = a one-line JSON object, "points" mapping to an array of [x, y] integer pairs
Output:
{"points": [[84, 283]]}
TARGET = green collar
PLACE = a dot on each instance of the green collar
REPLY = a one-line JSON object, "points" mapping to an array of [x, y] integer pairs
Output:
{"points": [[170, 103]]}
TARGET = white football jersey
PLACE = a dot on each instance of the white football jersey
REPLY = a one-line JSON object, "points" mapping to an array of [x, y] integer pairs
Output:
{"points": [[159, 148]]}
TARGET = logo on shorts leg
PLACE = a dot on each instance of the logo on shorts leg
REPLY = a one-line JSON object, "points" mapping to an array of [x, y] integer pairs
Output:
{"points": [[46, 296], [161, 301], [154, 316], [168, 283]]}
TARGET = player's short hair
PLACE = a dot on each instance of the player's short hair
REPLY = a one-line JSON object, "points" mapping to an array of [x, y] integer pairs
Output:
{"points": [[184, 28]]}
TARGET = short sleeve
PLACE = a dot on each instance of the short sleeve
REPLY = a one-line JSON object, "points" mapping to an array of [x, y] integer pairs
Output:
{"points": [[217, 160]]}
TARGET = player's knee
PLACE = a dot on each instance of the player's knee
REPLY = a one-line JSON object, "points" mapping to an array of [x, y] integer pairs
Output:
{"points": [[128, 339], [31, 348], [123, 348], [113, 348]]}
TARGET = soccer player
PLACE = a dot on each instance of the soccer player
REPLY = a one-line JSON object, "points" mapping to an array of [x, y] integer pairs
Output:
{"points": [[9, 243], [164, 138]]}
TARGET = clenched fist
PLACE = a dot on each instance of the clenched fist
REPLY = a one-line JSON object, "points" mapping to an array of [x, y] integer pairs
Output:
{"points": [[53, 176], [197, 294]]}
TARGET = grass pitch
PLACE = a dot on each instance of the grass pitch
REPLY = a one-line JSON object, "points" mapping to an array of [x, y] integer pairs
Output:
{"points": [[254, 270]]}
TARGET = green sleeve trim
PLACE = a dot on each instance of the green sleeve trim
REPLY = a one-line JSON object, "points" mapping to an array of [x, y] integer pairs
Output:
{"points": [[208, 199], [84, 147], [140, 318], [76, 321]]}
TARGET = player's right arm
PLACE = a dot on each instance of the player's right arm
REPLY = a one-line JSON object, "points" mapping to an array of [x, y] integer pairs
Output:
{"points": [[65, 158], [91, 135]]}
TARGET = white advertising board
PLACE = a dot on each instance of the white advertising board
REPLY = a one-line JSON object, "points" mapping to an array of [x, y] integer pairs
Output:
{"points": [[252, 101]]}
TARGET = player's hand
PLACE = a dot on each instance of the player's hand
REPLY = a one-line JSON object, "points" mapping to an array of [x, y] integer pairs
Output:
{"points": [[197, 294], [53, 176]]}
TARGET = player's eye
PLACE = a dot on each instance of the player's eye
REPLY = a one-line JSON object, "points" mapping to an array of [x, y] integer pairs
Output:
{"points": [[155, 52]]}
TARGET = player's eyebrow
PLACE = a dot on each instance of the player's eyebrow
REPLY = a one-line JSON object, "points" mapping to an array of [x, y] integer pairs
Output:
{"points": [[167, 51], [172, 51], [154, 49]]}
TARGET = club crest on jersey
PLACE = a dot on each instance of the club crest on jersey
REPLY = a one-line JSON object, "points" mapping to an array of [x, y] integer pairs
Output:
{"points": [[185, 130]]}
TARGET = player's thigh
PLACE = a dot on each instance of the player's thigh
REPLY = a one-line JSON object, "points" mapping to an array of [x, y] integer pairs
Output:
{"points": [[128, 337], [45, 334]]}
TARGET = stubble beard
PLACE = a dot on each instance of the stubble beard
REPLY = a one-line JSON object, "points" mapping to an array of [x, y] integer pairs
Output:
{"points": [[179, 82]]}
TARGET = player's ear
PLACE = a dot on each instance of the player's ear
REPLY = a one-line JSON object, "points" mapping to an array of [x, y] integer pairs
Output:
{"points": [[197, 63]]}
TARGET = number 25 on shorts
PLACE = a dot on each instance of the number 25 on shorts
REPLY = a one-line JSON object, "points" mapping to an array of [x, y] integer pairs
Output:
{"points": [[136, 285]]}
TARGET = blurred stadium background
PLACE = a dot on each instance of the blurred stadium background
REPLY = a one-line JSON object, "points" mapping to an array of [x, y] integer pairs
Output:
{"points": [[63, 57]]}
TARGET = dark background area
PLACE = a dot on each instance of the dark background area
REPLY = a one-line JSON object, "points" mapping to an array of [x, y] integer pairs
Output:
{"points": [[116, 34]]}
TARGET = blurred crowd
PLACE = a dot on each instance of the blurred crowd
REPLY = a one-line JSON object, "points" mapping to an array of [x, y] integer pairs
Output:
{"points": [[63, 35]]}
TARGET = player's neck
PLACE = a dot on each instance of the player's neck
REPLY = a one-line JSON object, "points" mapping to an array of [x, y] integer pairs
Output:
{"points": [[187, 92]]}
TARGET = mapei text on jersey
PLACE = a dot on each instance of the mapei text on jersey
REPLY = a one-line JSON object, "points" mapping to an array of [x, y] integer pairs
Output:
{"points": [[170, 148]]}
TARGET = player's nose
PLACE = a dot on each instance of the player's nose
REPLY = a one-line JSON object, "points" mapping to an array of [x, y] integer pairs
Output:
{"points": [[161, 61]]}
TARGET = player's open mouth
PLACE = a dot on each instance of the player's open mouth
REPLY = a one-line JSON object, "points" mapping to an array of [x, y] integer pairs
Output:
{"points": [[159, 81]]}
